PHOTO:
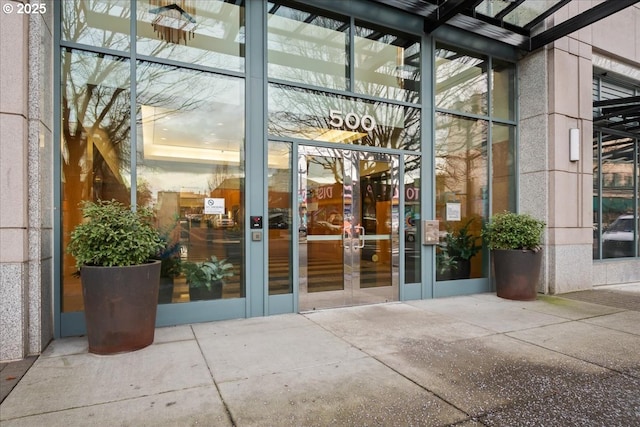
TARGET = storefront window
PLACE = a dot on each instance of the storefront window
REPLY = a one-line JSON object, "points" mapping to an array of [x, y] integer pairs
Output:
{"points": [[503, 83], [101, 23], [616, 169], [96, 145], [307, 47], [318, 116], [387, 65], [412, 215], [203, 32], [461, 81], [461, 195], [596, 197], [503, 168], [619, 227], [280, 218], [189, 170]]}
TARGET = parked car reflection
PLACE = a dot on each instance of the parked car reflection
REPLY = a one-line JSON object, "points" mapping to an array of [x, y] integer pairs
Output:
{"points": [[278, 221], [617, 239]]}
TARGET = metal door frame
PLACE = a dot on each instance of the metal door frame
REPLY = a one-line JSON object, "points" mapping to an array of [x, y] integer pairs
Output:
{"points": [[353, 236]]}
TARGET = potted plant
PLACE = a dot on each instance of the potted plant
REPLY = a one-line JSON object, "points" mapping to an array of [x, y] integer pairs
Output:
{"points": [[113, 248], [205, 279], [445, 264], [456, 251], [515, 244]]}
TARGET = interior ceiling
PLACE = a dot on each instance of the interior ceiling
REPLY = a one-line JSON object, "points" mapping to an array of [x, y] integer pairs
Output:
{"points": [[514, 22]]}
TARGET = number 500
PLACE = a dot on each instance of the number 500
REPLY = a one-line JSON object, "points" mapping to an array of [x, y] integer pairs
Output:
{"points": [[351, 121]]}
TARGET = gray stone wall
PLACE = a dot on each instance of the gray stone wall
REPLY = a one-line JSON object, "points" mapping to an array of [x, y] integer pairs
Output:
{"points": [[26, 182], [555, 95]]}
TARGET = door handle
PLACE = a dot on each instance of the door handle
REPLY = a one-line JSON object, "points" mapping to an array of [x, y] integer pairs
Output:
{"points": [[361, 234], [345, 235]]}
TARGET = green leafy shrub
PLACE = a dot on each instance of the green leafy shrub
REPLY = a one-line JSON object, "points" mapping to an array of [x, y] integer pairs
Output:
{"points": [[460, 243], [445, 262], [114, 235], [204, 274], [508, 230]]}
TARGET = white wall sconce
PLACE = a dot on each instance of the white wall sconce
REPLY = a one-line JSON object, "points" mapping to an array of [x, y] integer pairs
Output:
{"points": [[574, 144]]}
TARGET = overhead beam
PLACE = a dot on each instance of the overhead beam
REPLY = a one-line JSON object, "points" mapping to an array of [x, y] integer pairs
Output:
{"points": [[504, 12], [546, 14], [446, 11], [617, 101], [596, 13]]}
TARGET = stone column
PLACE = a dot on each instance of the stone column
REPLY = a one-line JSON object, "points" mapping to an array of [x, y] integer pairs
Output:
{"points": [[555, 96], [26, 166]]}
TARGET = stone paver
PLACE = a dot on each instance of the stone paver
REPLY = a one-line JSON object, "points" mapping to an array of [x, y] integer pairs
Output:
{"points": [[467, 361]]}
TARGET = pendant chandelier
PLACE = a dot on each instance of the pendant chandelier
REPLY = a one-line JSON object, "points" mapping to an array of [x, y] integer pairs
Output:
{"points": [[174, 21]]}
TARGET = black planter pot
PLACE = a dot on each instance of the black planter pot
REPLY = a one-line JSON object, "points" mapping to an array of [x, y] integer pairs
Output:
{"points": [[201, 293], [461, 271], [120, 305], [517, 273]]}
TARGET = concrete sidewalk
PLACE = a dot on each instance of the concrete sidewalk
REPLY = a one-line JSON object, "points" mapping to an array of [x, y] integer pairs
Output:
{"points": [[467, 361]]}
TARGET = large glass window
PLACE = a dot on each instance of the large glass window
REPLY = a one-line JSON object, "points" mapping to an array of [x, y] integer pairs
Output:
{"points": [[619, 227], [503, 89], [386, 65], [412, 215], [95, 147], [307, 47], [101, 23], [468, 188], [187, 160], [190, 149], [461, 81], [503, 168], [616, 167], [319, 116], [280, 221], [461, 195], [596, 197], [204, 32], [314, 48]]}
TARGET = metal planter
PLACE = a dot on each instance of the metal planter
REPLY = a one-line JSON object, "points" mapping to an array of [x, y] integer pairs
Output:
{"points": [[517, 273], [120, 305]]}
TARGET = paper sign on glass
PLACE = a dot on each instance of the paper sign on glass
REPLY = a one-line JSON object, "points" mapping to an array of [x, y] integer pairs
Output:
{"points": [[453, 212], [213, 206]]}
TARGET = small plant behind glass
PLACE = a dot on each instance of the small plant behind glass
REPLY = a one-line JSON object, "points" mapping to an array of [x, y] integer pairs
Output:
{"points": [[207, 273], [461, 244]]}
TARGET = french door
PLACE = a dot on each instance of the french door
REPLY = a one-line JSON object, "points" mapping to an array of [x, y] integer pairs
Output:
{"points": [[348, 239]]}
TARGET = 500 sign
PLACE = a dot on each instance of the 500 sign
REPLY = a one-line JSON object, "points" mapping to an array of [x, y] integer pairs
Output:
{"points": [[351, 120]]}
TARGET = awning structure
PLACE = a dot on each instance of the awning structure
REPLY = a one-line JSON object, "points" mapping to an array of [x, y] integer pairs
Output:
{"points": [[514, 22], [618, 117]]}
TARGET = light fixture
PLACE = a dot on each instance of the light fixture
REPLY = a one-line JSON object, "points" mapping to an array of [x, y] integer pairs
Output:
{"points": [[574, 144], [174, 22]]}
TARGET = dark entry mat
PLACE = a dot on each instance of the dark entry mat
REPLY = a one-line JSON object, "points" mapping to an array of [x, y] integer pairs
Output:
{"points": [[611, 298]]}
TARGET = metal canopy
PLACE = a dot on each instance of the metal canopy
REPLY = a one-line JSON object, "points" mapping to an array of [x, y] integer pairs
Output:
{"points": [[514, 22], [618, 117]]}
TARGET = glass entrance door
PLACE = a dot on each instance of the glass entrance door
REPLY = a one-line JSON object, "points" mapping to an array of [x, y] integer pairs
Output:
{"points": [[348, 239]]}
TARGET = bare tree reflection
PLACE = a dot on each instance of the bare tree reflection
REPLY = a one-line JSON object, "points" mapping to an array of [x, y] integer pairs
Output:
{"points": [[96, 114]]}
